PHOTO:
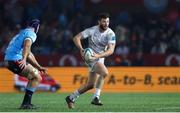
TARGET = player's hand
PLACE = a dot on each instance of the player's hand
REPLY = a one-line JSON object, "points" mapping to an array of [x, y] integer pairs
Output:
{"points": [[22, 63], [43, 69], [95, 56]]}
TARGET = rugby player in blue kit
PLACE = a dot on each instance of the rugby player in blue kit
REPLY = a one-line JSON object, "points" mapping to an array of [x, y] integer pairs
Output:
{"points": [[20, 60]]}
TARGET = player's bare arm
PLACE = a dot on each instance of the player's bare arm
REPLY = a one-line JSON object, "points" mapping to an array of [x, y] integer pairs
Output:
{"points": [[26, 50], [31, 59], [77, 41], [109, 51]]}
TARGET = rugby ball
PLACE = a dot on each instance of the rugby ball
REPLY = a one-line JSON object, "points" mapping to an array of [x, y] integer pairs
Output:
{"points": [[88, 52]]}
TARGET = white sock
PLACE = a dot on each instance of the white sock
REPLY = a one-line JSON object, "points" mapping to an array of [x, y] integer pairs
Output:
{"points": [[74, 95], [97, 93]]}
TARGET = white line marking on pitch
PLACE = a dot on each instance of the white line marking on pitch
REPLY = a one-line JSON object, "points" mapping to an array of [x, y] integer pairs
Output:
{"points": [[169, 108]]}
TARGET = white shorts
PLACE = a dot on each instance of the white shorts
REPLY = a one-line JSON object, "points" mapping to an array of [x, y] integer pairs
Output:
{"points": [[91, 64]]}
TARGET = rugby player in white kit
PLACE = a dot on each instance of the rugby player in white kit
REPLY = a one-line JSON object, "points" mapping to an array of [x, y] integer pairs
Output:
{"points": [[102, 41]]}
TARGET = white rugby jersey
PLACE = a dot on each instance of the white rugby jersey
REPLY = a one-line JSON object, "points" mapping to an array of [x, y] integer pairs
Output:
{"points": [[98, 41]]}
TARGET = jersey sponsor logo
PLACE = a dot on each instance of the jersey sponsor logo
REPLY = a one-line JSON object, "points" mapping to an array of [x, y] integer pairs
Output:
{"points": [[113, 38]]}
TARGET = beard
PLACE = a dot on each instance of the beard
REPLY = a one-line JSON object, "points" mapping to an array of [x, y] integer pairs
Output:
{"points": [[103, 27]]}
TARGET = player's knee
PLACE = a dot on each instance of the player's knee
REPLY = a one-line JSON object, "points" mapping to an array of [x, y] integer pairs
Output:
{"points": [[39, 78], [105, 73], [36, 76]]}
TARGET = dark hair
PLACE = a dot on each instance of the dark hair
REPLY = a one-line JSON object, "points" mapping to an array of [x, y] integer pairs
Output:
{"points": [[103, 16], [34, 23]]}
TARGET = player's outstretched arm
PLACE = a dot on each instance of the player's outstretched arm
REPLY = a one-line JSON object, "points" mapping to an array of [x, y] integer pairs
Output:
{"points": [[31, 59]]}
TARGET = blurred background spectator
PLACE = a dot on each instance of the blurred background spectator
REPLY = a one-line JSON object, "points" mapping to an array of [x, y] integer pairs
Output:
{"points": [[145, 29]]}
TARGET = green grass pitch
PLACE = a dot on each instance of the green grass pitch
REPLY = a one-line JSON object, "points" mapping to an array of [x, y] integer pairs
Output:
{"points": [[113, 102]]}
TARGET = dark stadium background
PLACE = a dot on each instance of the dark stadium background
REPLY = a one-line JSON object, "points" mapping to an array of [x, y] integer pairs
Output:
{"points": [[147, 31]]}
